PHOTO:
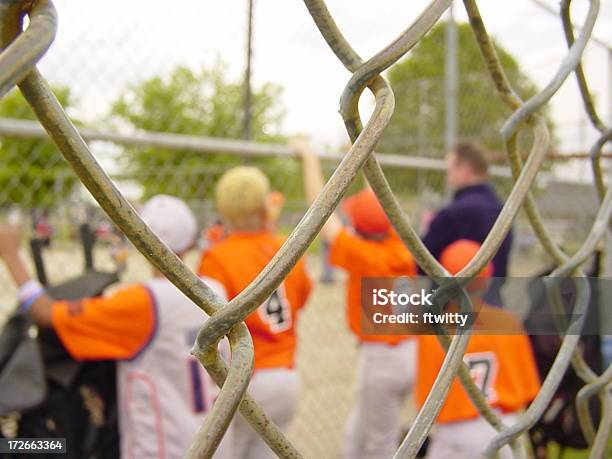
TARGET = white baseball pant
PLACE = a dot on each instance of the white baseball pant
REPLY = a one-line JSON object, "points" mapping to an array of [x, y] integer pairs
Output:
{"points": [[465, 439], [384, 381], [276, 390]]}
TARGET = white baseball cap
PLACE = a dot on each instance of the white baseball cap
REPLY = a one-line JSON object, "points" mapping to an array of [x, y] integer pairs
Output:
{"points": [[171, 220]]}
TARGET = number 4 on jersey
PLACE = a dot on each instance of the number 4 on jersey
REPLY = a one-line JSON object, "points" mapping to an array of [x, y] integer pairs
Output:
{"points": [[276, 311]]}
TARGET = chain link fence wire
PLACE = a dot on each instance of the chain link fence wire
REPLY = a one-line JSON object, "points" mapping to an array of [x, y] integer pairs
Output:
{"points": [[44, 176]]}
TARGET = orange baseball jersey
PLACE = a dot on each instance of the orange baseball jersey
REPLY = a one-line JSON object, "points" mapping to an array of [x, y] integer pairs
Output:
{"points": [[234, 262], [502, 366], [113, 327], [361, 257]]}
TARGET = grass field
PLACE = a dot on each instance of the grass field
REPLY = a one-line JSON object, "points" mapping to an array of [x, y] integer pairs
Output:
{"points": [[553, 452], [327, 353]]}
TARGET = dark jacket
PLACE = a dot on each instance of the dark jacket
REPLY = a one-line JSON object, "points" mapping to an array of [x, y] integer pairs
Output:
{"points": [[470, 215]]}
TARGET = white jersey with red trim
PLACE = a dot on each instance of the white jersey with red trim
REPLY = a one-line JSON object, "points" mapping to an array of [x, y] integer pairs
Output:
{"points": [[164, 392]]}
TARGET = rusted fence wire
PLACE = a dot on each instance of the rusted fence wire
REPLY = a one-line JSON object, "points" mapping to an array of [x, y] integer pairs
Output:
{"points": [[23, 48]]}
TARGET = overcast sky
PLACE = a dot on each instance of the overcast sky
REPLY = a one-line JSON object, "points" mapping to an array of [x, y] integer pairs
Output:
{"points": [[102, 45]]}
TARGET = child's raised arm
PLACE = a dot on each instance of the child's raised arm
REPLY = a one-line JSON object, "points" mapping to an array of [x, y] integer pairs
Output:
{"points": [[314, 182]]}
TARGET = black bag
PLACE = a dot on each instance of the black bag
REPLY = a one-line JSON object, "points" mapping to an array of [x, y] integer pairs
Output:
{"points": [[22, 381], [559, 422], [46, 393]]}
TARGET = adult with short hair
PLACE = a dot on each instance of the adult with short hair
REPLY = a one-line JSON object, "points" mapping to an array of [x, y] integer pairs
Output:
{"points": [[472, 212]]}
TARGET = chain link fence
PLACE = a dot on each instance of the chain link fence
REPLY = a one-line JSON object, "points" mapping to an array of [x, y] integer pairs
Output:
{"points": [[40, 187]]}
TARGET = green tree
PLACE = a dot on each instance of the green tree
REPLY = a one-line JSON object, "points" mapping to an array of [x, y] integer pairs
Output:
{"points": [[34, 174], [417, 126], [203, 103]]}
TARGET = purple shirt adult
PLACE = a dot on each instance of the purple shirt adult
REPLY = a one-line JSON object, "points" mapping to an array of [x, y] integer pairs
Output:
{"points": [[472, 212]]}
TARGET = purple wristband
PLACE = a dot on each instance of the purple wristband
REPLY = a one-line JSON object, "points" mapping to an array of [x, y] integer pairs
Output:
{"points": [[28, 302]]}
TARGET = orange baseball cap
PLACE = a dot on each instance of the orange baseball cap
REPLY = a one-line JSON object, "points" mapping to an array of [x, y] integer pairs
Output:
{"points": [[457, 255], [366, 213]]}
